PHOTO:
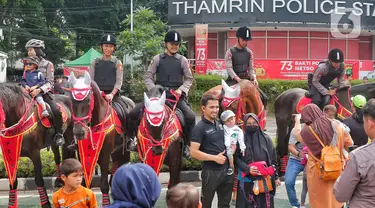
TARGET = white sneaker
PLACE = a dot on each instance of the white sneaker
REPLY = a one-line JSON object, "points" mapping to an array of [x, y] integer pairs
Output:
{"points": [[294, 207], [302, 207]]}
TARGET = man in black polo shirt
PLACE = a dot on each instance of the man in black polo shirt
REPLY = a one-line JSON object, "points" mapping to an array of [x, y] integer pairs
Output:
{"points": [[208, 146]]}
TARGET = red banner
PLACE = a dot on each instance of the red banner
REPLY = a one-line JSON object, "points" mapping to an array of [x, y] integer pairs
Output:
{"points": [[280, 69], [367, 68], [201, 42]]}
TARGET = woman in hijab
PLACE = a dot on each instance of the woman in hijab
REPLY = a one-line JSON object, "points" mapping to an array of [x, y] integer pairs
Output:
{"points": [[135, 186], [328, 130], [259, 147]]}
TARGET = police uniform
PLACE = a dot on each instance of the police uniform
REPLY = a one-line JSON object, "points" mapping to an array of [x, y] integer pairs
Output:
{"points": [[47, 69], [108, 75], [240, 63], [321, 80], [173, 72]]}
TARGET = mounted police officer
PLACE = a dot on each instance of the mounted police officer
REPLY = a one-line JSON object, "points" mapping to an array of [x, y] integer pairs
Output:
{"points": [[171, 70], [327, 71], [239, 62], [107, 72], [35, 48]]}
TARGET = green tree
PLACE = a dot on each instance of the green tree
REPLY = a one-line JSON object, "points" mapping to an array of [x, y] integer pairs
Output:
{"points": [[147, 38], [40, 19]]}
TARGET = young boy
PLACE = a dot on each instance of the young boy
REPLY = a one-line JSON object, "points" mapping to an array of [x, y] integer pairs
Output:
{"points": [[33, 79], [72, 194], [232, 135]]}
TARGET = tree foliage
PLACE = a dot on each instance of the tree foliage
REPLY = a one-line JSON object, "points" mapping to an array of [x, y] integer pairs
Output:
{"points": [[147, 37]]}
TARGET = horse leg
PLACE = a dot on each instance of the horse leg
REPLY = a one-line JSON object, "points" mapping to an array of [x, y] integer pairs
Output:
{"points": [[104, 185], [35, 158], [282, 140], [119, 156], [13, 194], [56, 153], [174, 162]]}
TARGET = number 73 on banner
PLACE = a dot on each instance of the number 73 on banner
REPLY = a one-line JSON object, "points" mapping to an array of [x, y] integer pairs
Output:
{"points": [[286, 65], [201, 54]]}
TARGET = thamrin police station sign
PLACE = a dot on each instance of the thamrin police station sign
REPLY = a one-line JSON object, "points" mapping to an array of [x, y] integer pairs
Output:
{"points": [[353, 12]]}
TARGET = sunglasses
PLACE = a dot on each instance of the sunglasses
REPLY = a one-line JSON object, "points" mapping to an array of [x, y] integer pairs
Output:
{"points": [[28, 64]]}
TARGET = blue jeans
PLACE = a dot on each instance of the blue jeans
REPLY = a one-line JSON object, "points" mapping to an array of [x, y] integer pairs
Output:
{"points": [[292, 170]]}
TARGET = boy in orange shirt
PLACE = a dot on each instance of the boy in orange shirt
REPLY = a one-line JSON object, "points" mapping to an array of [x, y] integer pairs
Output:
{"points": [[72, 194]]}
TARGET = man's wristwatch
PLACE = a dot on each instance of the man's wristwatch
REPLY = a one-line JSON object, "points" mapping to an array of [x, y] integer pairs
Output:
{"points": [[298, 154]]}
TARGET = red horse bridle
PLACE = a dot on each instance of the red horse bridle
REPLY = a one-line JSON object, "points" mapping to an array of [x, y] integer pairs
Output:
{"points": [[240, 108]]}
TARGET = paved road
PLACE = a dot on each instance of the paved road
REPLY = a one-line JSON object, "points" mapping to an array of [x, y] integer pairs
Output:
{"points": [[30, 199]]}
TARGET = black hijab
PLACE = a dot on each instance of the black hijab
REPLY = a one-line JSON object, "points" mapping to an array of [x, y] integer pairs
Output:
{"points": [[257, 144]]}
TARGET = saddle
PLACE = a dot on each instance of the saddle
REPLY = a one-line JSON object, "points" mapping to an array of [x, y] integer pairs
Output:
{"points": [[48, 121]]}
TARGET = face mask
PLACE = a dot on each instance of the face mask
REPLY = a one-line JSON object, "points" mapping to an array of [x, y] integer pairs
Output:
{"points": [[251, 129]]}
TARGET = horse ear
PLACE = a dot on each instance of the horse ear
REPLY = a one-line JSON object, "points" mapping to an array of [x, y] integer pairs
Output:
{"points": [[146, 100], [72, 78], [226, 88], [87, 78], [237, 90], [162, 98]]}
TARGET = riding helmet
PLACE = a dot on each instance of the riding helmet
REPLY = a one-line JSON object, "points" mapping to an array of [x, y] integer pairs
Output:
{"points": [[244, 33], [359, 101], [35, 43], [108, 39], [173, 37], [336, 55]]}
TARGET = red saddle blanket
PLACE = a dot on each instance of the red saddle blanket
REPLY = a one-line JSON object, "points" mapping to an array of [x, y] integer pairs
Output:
{"points": [[45, 121], [172, 131]]}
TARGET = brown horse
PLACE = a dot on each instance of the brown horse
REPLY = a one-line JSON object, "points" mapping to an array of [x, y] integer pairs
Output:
{"points": [[160, 134], [241, 98], [98, 131], [23, 133]]}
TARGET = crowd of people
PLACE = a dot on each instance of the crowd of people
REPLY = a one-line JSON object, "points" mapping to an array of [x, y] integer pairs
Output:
{"points": [[318, 144]]}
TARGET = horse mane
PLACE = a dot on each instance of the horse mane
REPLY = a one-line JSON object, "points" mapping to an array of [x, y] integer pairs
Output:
{"points": [[249, 91], [10, 95], [156, 91]]}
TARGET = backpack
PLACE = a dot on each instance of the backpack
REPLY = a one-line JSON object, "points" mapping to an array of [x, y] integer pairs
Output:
{"points": [[330, 164]]}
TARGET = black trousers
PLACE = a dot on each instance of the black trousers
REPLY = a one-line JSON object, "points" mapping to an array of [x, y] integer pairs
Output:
{"points": [[319, 99], [260, 199], [216, 181], [57, 117]]}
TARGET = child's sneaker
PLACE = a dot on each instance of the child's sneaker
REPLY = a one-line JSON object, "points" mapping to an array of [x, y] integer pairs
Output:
{"points": [[45, 113], [230, 171]]}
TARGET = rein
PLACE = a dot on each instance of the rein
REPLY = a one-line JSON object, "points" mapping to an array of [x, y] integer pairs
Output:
{"points": [[88, 117]]}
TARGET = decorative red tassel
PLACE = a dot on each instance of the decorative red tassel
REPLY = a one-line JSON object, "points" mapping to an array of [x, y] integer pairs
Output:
{"points": [[235, 180], [283, 163], [58, 171], [2, 114]]}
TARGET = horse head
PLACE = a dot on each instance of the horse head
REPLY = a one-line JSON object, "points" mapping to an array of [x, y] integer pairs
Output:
{"points": [[231, 98], [155, 114], [82, 104]]}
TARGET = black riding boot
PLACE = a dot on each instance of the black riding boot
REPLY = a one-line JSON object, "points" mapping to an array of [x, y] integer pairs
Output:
{"points": [[57, 119], [134, 119]]}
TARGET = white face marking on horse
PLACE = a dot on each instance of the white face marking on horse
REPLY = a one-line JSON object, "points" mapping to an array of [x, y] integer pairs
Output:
{"points": [[155, 109], [231, 92], [81, 86]]}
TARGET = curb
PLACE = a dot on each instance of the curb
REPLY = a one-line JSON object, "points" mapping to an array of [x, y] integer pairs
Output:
{"points": [[25, 184]]}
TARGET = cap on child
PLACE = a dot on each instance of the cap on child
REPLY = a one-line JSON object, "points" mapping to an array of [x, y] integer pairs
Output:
{"points": [[227, 114]]}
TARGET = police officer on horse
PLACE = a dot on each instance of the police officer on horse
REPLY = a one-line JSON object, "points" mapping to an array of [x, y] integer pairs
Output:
{"points": [[171, 70], [239, 62], [325, 73], [107, 72], [35, 48]]}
